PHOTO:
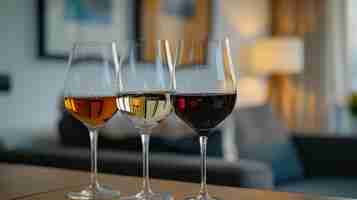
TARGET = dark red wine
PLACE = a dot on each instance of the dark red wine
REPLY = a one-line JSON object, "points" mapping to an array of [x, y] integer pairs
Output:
{"points": [[203, 112]]}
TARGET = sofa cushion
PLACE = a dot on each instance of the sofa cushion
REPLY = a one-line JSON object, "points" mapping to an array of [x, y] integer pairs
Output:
{"points": [[327, 154], [326, 186], [46, 151], [260, 136], [2, 146], [255, 174]]}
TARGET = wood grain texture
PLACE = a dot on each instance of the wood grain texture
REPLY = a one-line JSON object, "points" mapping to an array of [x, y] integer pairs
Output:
{"points": [[17, 180], [295, 17], [36, 183], [156, 24]]}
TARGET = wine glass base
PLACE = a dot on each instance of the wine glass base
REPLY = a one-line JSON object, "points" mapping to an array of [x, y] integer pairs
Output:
{"points": [[149, 196], [98, 193], [202, 197]]}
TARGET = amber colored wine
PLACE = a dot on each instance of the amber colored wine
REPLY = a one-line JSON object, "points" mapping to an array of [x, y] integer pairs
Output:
{"points": [[203, 112], [92, 111], [145, 109]]}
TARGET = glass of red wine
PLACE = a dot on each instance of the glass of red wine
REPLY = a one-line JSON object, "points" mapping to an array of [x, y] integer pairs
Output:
{"points": [[205, 91], [90, 96]]}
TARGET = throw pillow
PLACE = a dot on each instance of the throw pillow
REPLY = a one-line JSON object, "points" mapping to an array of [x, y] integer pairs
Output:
{"points": [[261, 136]]}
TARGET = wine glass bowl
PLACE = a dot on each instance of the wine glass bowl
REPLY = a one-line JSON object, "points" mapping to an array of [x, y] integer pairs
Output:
{"points": [[202, 112], [138, 110], [94, 112], [206, 91], [90, 96]]}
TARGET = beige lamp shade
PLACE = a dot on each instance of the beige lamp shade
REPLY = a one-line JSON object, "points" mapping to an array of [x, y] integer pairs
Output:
{"points": [[252, 92], [280, 55]]}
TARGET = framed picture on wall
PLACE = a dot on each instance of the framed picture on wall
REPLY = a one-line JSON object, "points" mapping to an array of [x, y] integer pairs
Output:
{"points": [[63, 22], [187, 20]]}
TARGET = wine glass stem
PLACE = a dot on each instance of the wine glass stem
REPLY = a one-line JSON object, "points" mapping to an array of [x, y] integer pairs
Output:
{"points": [[145, 140], [203, 146], [93, 133]]}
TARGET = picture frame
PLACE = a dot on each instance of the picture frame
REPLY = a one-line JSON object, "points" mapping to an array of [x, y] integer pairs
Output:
{"points": [[64, 22]]}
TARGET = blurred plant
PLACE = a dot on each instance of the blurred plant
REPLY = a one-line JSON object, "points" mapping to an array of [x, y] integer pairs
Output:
{"points": [[352, 104]]}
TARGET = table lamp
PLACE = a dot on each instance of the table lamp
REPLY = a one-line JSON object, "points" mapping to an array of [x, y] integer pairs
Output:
{"points": [[252, 92], [277, 58]]}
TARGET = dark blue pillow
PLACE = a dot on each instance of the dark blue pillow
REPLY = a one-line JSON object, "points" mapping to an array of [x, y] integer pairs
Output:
{"points": [[281, 156], [260, 136], [2, 146]]}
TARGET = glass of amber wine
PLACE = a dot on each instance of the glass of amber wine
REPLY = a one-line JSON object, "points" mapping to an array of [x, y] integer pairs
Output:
{"points": [[89, 95]]}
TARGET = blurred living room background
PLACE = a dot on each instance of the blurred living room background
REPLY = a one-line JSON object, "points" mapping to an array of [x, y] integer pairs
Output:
{"points": [[295, 125]]}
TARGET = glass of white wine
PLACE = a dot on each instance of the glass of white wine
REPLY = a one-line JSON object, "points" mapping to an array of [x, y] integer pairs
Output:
{"points": [[146, 81], [90, 96]]}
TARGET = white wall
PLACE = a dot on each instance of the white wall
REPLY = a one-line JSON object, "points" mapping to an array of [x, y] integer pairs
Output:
{"points": [[338, 41], [32, 107], [351, 7]]}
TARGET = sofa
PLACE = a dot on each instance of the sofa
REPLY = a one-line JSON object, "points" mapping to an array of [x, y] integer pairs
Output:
{"points": [[170, 166], [270, 156], [329, 166], [315, 163]]}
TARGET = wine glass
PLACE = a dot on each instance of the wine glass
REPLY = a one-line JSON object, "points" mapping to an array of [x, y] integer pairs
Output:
{"points": [[90, 96], [205, 91], [146, 83]]}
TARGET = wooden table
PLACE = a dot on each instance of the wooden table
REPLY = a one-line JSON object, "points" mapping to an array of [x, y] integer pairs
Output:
{"points": [[37, 183]]}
